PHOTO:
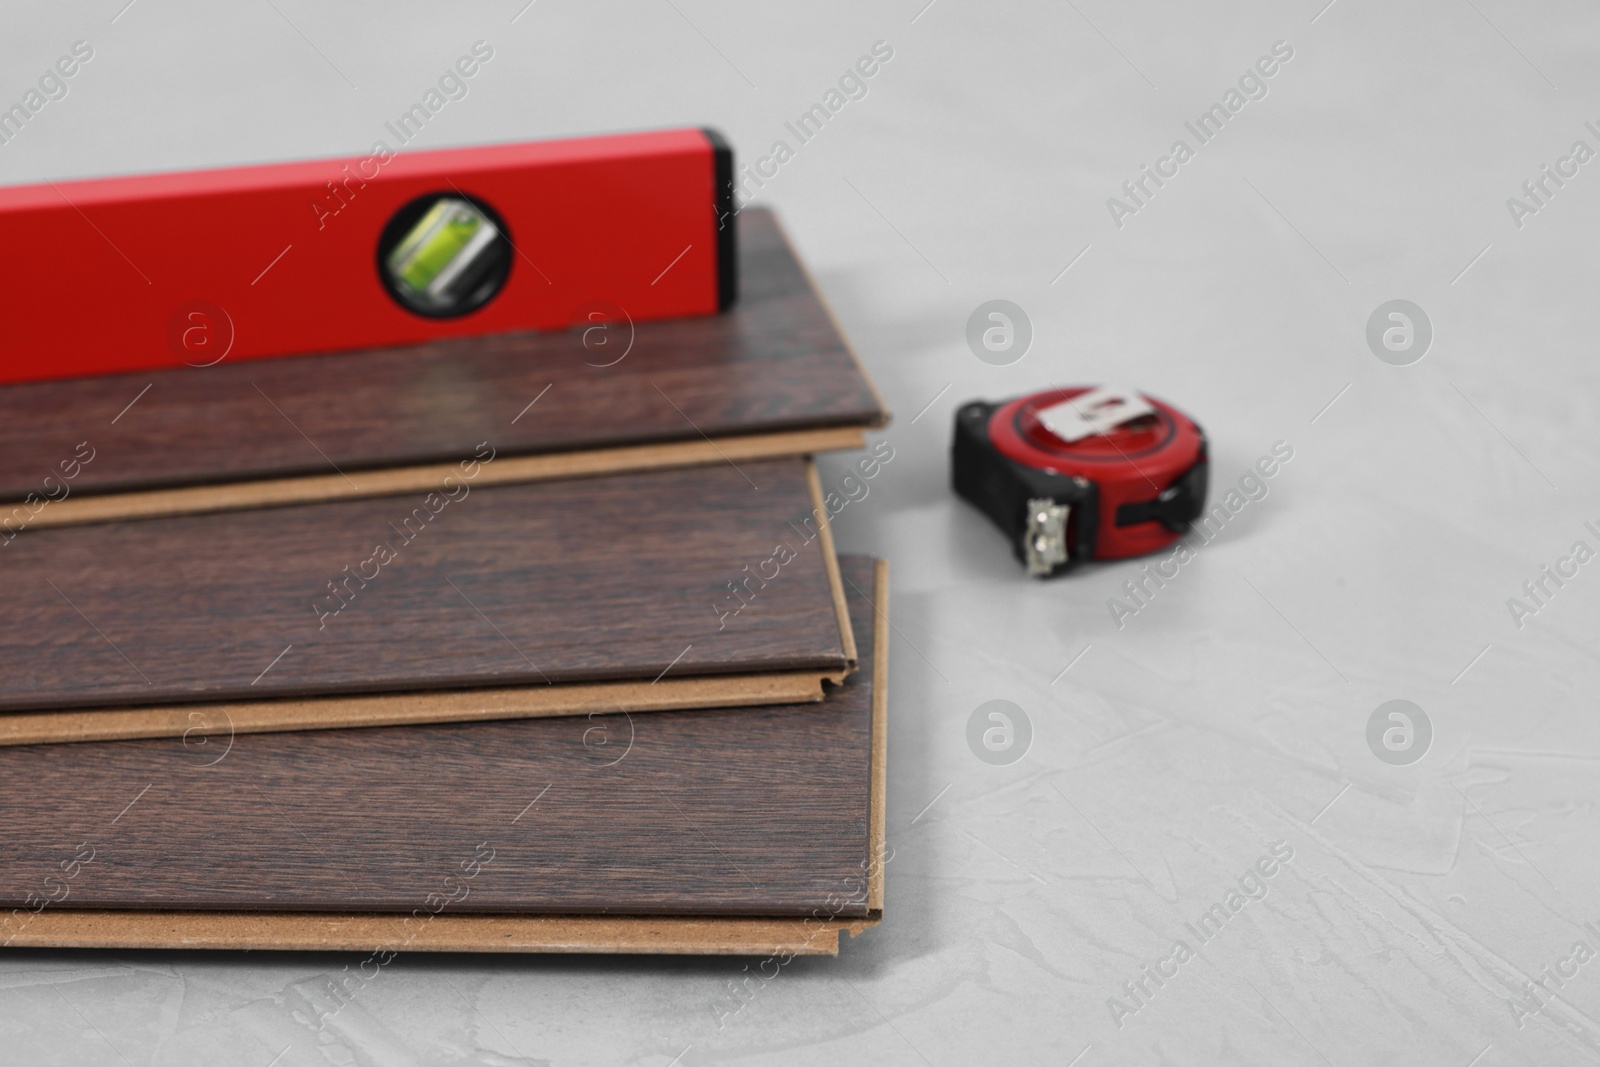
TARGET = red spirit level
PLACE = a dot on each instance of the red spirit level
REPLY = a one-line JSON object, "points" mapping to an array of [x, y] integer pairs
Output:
{"points": [[392, 248], [1081, 473]]}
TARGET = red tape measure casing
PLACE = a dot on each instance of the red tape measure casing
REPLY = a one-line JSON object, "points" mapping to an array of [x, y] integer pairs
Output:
{"points": [[1081, 473]]}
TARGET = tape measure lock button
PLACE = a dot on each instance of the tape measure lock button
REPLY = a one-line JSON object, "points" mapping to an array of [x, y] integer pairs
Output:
{"points": [[1081, 473]]}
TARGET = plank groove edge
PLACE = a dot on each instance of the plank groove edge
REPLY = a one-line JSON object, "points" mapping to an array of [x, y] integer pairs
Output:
{"points": [[508, 470], [324, 932], [226, 719]]}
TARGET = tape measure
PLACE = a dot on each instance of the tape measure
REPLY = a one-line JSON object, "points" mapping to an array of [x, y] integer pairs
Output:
{"points": [[1085, 472]]}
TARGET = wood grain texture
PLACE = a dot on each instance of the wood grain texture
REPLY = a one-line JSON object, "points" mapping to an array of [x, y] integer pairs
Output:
{"points": [[734, 812], [615, 577], [776, 362]]}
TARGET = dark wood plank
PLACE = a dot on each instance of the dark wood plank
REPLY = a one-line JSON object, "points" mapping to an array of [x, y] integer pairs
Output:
{"points": [[775, 362], [565, 581], [761, 811]]}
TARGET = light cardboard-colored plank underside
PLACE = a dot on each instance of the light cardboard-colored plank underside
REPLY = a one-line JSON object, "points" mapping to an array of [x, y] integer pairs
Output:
{"points": [[877, 821], [224, 719], [830, 560], [311, 489], [378, 934]]}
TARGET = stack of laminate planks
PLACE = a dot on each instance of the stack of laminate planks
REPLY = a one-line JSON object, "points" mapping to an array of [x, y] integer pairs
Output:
{"points": [[478, 645]]}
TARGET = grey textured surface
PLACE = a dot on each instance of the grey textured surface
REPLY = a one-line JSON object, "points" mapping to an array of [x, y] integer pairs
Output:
{"points": [[1420, 899]]}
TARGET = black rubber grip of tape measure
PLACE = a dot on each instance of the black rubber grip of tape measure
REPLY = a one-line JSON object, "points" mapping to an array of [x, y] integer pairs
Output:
{"points": [[1178, 505], [1001, 488]]}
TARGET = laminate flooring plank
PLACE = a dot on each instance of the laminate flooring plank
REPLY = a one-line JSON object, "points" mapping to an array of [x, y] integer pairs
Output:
{"points": [[630, 576], [749, 812], [776, 362]]}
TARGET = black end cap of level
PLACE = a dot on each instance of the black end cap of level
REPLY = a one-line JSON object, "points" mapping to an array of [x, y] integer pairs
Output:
{"points": [[722, 204]]}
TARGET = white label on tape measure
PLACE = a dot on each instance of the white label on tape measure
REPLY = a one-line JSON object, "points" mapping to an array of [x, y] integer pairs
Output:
{"points": [[1093, 413]]}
